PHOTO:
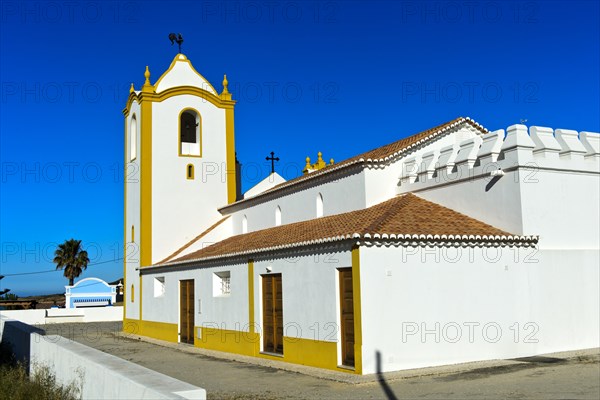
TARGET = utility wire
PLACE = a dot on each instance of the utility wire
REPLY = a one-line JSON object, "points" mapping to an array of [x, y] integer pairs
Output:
{"points": [[56, 270]]}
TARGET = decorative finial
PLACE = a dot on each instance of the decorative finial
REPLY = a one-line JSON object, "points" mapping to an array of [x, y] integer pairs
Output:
{"points": [[225, 84], [225, 95], [147, 76], [307, 167], [331, 161], [131, 89], [320, 163]]}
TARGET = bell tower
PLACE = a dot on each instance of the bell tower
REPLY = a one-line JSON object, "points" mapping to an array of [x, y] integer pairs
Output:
{"points": [[180, 165]]}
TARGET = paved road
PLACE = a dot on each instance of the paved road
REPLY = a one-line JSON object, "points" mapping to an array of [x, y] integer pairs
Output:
{"points": [[533, 378]]}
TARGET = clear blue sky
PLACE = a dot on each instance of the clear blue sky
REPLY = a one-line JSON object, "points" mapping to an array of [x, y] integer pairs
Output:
{"points": [[340, 77]]}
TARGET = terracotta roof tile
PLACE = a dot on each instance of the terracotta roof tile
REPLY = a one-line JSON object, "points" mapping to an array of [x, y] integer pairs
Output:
{"points": [[407, 215]]}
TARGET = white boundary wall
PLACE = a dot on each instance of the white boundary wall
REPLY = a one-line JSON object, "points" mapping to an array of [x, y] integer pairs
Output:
{"points": [[62, 315], [98, 375]]}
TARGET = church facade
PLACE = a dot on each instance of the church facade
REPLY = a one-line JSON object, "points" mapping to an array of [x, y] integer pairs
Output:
{"points": [[452, 245]]}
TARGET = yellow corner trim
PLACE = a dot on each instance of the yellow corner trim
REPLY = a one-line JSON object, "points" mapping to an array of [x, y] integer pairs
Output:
{"points": [[230, 148], [145, 242], [357, 310]]}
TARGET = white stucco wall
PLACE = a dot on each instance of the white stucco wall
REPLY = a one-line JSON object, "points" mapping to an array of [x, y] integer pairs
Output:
{"points": [[310, 299], [269, 182], [220, 232], [182, 74], [184, 208], [228, 312], [131, 252], [310, 293], [505, 302], [61, 315], [343, 194]]}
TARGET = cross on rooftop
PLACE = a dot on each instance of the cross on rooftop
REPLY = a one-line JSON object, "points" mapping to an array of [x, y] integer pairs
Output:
{"points": [[272, 159]]}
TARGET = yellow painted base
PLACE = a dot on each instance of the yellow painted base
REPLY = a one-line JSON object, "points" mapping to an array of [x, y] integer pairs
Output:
{"points": [[156, 330], [313, 353]]}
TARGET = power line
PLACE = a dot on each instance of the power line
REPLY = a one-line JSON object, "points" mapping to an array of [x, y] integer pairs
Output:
{"points": [[56, 270]]}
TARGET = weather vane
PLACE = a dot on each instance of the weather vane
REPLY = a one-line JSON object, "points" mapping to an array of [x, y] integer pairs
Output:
{"points": [[176, 38]]}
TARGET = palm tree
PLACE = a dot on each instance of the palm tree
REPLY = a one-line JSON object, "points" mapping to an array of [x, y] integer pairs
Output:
{"points": [[70, 256]]}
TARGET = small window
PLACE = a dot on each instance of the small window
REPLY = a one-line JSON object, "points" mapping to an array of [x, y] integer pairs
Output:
{"points": [[133, 138], [245, 224], [132, 234], [189, 133], [159, 286], [319, 205], [190, 171], [132, 296], [278, 216], [222, 283]]}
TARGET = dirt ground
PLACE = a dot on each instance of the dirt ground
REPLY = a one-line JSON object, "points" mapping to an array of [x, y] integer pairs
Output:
{"points": [[573, 377]]}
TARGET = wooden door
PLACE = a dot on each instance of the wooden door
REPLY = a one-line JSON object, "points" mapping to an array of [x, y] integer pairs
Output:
{"points": [[186, 311], [272, 314], [347, 316]]}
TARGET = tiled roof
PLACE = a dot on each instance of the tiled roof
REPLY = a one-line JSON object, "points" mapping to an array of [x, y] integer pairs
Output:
{"points": [[380, 154], [405, 218]]}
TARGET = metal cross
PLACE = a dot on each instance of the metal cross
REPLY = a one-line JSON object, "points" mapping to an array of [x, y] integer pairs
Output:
{"points": [[272, 159]]}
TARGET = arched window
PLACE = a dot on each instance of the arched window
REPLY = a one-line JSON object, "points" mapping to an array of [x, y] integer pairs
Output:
{"points": [[189, 133], [245, 225], [190, 171], [132, 233], [278, 216], [132, 293], [319, 205], [133, 138]]}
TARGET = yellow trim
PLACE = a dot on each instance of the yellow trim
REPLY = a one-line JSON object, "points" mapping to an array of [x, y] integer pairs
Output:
{"points": [[177, 91], [314, 353], [187, 171], [145, 163], [230, 145], [186, 60], [140, 297], [179, 132], [251, 295], [156, 330], [357, 310]]}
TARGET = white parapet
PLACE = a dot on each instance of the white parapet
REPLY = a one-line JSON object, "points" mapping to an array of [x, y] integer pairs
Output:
{"points": [[427, 167], [491, 146], [546, 144], [468, 152], [571, 147], [447, 156], [518, 144]]}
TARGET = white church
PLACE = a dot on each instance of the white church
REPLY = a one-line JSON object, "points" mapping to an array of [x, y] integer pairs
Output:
{"points": [[451, 245]]}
